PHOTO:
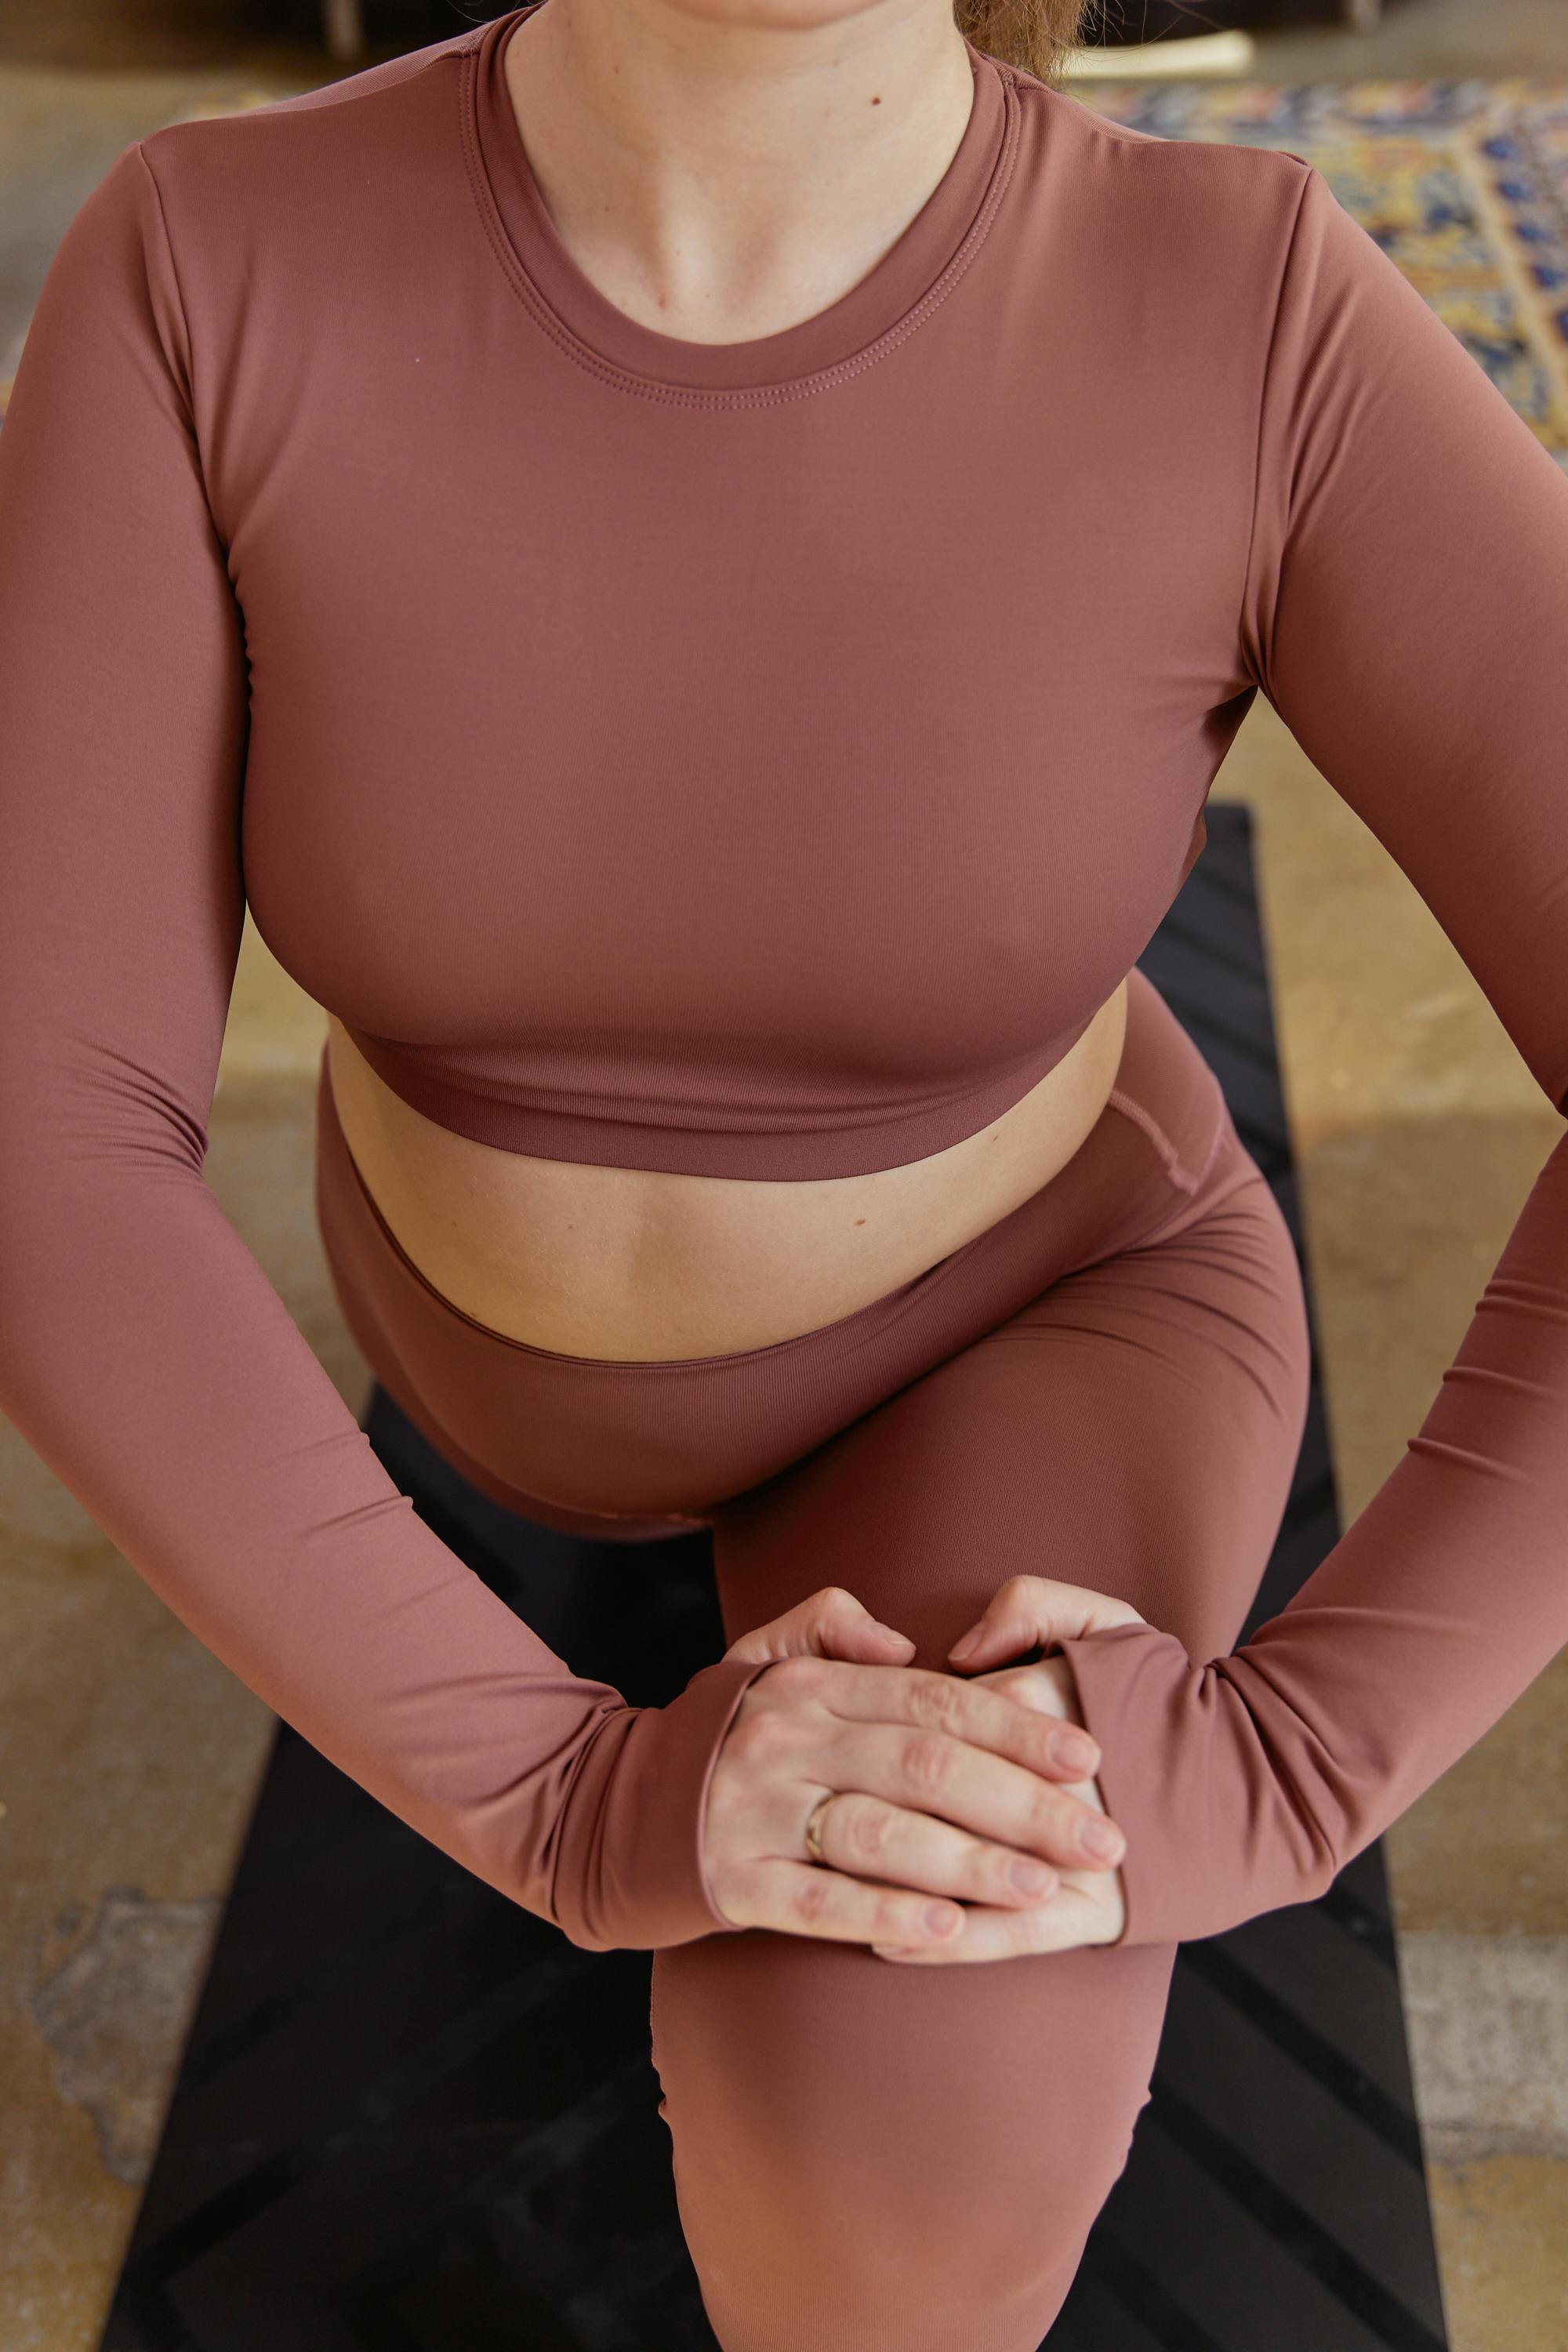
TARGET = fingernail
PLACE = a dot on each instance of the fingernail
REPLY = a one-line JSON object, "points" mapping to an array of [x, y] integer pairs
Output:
{"points": [[941, 1918], [1101, 1838], [960, 1649], [1074, 1751], [1030, 1878]]}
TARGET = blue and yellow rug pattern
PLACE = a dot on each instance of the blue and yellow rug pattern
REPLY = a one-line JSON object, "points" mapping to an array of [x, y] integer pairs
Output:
{"points": [[1464, 183]]}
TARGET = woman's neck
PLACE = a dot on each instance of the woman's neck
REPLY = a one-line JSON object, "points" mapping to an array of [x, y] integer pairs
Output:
{"points": [[720, 178]]}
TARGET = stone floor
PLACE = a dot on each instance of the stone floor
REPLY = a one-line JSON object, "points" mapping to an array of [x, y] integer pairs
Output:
{"points": [[129, 1757]]}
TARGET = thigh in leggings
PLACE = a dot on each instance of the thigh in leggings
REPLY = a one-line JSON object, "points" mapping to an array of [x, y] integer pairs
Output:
{"points": [[1108, 1387]]}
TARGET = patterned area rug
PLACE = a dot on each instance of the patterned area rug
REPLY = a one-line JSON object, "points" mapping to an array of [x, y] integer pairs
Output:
{"points": [[1463, 182]]}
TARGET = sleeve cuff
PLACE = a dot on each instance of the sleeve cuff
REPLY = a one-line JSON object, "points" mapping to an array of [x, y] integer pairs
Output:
{"points": [[630, 1873], [1204, 1767], [1125, 1676]]}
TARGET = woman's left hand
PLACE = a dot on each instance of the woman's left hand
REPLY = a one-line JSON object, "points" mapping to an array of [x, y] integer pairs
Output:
{"points": [[1086, 1906]]}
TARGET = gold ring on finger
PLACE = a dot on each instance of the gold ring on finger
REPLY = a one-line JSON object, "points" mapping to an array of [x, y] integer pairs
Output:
{"points": [[814, 1827]]}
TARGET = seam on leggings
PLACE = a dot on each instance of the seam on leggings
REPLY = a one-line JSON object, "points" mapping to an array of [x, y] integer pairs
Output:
{"points": [[1192, 1211], [1184, 1179], [1212, 1154]]}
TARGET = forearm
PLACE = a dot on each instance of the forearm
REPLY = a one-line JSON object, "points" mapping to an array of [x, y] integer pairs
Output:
{"points": [[143, 1352], [1246, 1782], [149, 1362]]}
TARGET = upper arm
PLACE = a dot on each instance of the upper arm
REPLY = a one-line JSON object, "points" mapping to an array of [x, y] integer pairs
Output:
{"points": [[123, 698], [1407, 610]]}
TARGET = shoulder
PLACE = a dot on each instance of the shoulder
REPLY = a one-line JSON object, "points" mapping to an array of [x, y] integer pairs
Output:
{"points": [[288, 155], [1200, 209], [273, 218]]}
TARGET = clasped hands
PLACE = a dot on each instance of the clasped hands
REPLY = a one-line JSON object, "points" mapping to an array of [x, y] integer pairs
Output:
{"points": [[960, 1799]]}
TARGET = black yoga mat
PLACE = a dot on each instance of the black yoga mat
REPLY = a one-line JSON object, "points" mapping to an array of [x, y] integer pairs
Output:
{"points": [[412, 2117]]}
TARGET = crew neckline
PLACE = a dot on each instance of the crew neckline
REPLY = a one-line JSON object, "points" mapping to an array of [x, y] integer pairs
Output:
{"points": [[899, 292]]}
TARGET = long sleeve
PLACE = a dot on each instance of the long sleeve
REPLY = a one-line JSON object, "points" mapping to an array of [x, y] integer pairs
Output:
{"points": [[1406, 613], [143, 1355]]}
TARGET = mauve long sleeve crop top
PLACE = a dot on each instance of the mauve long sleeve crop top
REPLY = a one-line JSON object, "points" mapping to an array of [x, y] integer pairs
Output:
{"points": [[754, 760]]}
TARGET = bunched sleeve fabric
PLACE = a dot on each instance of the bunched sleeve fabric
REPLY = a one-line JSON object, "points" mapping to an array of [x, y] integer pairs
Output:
{"points": [[143, 1354], [1406, 613]]}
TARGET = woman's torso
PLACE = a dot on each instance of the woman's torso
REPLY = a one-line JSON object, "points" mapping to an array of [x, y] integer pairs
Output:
{"points": [[639, 1265], [717, 792]]}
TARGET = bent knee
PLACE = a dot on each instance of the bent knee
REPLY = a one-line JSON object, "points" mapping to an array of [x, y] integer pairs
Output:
{"points": [[905, 2160]]}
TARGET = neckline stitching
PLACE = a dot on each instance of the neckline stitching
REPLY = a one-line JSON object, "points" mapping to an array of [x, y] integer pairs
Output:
{"points": [[723, 395]]}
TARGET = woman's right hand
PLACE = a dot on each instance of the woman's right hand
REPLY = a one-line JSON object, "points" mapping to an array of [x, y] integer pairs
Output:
{"points": [[945, 1791]]}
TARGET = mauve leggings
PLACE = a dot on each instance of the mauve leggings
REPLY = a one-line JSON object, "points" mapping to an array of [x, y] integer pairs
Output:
{"points": [[1109, 1386]]}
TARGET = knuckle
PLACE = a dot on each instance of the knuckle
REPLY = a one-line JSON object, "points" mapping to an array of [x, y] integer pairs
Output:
{"points": [[867, 1825], [833, 1596], [785, 1673], [996, 1862], [928, 1761], [1042, 1742], [800, 1678], [813, 1895], [761, 1739], [899, 1919], [1051, 1815], [939, 1701]]}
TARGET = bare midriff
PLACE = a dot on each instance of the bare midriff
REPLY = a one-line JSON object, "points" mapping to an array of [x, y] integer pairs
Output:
{"points": [[641, 1264]]}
